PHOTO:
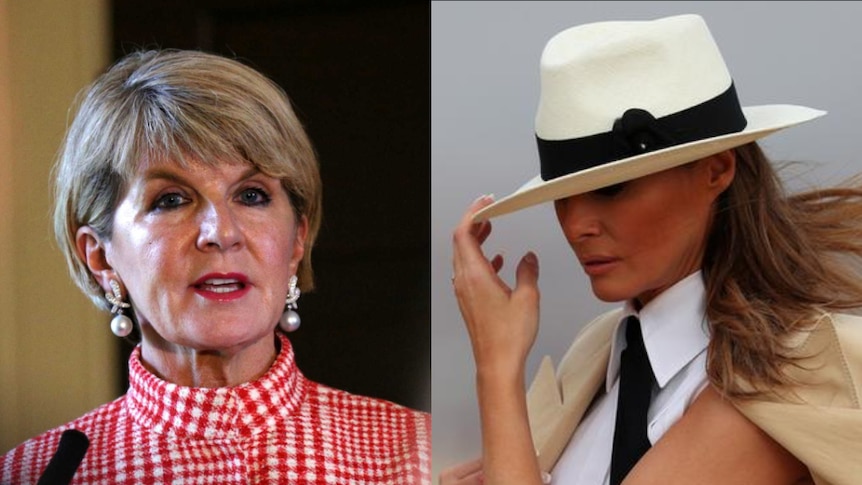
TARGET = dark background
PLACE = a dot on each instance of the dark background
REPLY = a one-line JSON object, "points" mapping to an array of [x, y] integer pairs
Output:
{"points": [[359, 79]]}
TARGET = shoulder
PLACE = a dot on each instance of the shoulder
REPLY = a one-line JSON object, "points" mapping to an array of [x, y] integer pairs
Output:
{"points": [[369, 415], [603, 324], [370, 411], [25, 463], [714, 443], [594, 336], [848, 336], [600, 329], [818, 416], [827, 370], [380, 430]]}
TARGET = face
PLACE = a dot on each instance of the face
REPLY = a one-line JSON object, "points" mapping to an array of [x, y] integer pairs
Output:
{"points": [[205, 253], [636, 239]]}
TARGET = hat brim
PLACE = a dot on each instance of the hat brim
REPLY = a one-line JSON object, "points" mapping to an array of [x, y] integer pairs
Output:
{"points": [[762, 121]]}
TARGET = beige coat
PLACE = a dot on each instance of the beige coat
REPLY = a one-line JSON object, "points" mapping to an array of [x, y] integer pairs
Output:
{"points": [[821, 425]]}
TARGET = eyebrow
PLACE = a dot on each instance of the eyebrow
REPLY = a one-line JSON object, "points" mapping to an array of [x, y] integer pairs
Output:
{"points": [[164, 174]]}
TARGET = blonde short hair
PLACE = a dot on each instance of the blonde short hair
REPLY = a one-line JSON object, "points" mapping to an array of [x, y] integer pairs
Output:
{"points": [[181, 106]]}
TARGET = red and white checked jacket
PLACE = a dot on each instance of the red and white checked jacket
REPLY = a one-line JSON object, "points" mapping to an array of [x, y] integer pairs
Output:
{"points": [[279, 429]]}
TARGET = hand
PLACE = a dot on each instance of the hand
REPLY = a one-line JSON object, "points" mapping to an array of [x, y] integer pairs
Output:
{"points": [[467, 473], [502, 322]]}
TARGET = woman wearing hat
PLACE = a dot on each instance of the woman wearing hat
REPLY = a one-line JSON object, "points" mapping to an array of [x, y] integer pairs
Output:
{"points": [[729, 361]]}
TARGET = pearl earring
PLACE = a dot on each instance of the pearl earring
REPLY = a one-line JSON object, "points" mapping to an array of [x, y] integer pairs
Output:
{"points": [[289, 320], [121, 325]]}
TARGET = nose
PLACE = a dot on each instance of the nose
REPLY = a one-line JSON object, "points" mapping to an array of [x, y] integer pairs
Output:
{"points": [[218, 228], [578, 217]]}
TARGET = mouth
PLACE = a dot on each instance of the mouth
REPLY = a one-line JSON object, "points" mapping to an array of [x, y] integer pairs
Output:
{"points": [[599, 265], [219, 286]]}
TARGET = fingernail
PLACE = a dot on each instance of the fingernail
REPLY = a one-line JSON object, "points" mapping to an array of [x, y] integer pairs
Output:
{"points": [[484, 197], [530, 257]]}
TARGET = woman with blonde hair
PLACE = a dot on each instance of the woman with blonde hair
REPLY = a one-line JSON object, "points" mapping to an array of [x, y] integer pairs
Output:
{"points": [[730, 361], [188, 200]]}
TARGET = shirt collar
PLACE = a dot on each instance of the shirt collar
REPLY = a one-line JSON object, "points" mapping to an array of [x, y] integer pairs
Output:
{"points": [[217, 412], [673, 326]]}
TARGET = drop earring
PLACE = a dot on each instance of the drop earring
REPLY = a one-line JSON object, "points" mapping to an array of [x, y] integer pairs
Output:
{"points": [[121, 325], [289, 320]]}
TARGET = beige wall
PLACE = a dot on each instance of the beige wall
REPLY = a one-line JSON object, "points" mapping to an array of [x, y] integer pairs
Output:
{"points": [[56, 352]]}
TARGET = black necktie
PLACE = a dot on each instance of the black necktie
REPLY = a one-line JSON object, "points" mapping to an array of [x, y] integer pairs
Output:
{"points": [[636, 381]]}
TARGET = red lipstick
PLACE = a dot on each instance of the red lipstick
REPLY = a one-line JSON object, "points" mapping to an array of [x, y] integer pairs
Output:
{"points": [[222, 286]]}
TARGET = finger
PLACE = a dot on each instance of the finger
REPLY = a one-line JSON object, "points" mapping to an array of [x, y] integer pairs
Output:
{"points": [[527, 274], [497, 262], [482, 231], [466, 230], [462, 470], [477, 478], [470, 251], [473, 215], [480, 202], [466, 246]]}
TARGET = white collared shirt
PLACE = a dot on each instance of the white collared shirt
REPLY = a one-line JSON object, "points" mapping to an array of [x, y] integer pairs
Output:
{"points": [[676, 336]]}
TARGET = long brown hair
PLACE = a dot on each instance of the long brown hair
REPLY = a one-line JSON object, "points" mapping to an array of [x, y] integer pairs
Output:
{"points": [[773, 263]]}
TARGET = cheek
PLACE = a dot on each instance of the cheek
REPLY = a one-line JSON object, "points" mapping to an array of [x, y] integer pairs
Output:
{"points": [[646, 228], [159, 248], [275, 257], [277, 253], [149, 257], [276, 246], [665, 230]]}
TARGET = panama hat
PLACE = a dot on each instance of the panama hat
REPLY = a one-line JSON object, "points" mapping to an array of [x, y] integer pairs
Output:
{"points": [[621, 100]]}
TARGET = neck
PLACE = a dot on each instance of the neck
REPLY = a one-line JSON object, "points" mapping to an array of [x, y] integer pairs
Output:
{"points": [[190, 367]]}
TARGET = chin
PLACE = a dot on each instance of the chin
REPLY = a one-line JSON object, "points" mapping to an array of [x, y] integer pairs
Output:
{"points": [[609, 294], [225, 336]]}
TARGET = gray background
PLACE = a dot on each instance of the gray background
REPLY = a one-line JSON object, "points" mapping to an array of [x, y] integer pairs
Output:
{"points": [[485, 78]]}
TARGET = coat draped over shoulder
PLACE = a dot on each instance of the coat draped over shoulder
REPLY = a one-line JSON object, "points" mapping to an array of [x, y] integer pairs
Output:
{"points": [[817, 417]]}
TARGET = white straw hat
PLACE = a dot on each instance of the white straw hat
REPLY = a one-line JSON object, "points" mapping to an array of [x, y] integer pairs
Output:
{"points": [[621, 100]]}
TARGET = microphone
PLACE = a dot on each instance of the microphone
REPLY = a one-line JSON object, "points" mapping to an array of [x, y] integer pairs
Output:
{"points": [[65, 462]]}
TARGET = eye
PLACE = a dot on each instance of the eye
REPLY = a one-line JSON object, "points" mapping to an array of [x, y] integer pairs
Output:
{"points": [[254, 196], [170, 201], [611, 190]]}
